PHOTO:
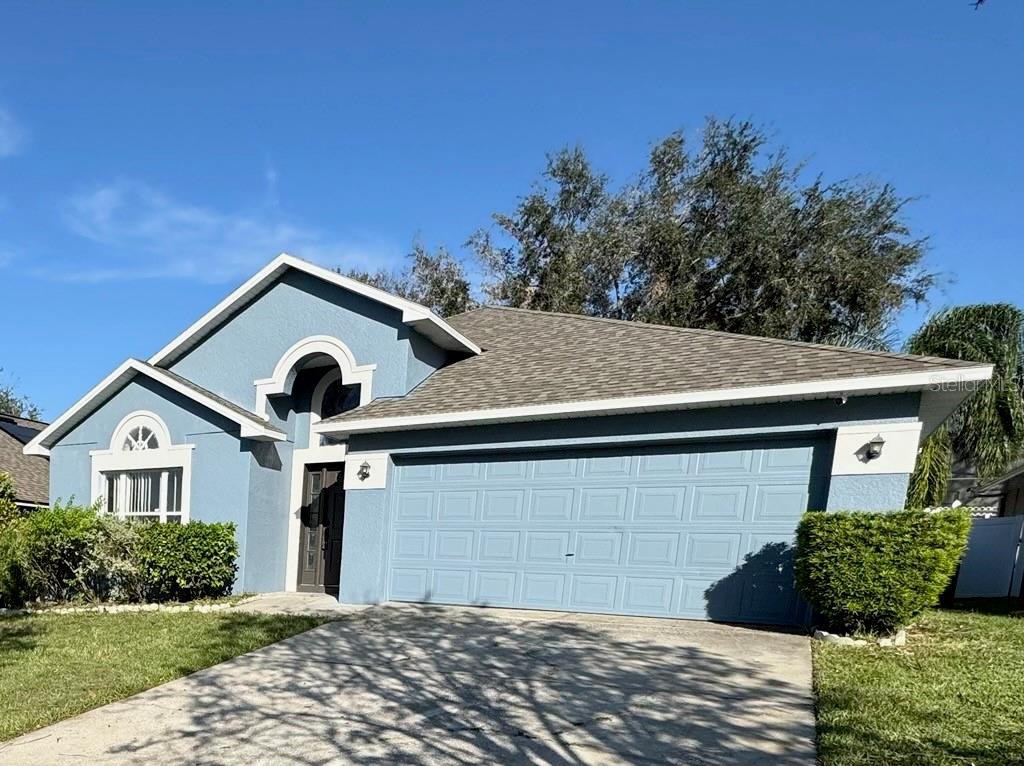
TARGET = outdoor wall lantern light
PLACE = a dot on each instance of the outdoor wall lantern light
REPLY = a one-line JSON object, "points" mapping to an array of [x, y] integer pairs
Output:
{"points": [[364, 471], [874, 449]]}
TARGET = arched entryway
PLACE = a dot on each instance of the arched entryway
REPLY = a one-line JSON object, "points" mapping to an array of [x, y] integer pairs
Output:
{"points": [[316, 378]]}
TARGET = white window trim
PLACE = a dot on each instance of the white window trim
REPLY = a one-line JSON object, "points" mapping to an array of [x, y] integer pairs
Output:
{"points": [[280, 382], [168, 456]]}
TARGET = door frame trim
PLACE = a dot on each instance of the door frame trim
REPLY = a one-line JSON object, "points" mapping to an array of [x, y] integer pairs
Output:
{"points": [[334, 453]]}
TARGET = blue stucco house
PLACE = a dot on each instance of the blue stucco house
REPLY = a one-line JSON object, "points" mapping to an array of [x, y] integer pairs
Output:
{"points": [[367, 448]]}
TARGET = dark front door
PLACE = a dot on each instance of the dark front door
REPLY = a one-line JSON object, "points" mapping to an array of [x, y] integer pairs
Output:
{"points": [[323, 521]]}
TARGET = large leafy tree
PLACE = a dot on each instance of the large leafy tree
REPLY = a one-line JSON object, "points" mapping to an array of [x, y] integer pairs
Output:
{"points": [[725, 237], [987, 431], [436, 280]]}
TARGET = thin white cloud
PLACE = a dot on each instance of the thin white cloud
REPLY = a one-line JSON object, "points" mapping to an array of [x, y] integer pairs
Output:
{"points": [[270, 180], [141, 232], [13, 135]]}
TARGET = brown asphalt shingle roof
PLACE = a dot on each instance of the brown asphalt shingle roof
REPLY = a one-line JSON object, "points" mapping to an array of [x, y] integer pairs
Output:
{"points": [[31, 473], [252, 417], [535, 358]]}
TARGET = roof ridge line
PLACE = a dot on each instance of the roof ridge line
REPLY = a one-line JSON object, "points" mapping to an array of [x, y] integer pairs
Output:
{"points": [[933, 360]]}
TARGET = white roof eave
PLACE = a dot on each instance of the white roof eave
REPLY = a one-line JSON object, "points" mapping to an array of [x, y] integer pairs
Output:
{"points": [[249, 428], [413, 314]]}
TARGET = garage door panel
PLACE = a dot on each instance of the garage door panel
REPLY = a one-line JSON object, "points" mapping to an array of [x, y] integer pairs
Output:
{"points": [[693, 602], [464, 470], [496, 588], [603, 504], [674, 465], [648, 595], [412, 473], [451, 585], [659, 503], [615, 466], [712, 549], [796, 459], [555, 468], [411, 544], [548, 547], [455, 545], [499, 546], [725, 502], [457, 506], [768, 599], [552, 504], [503, 505], [779, 502], [409, 584], [593, 592], [697, 532], [415, 506], [512, 469], [598, 548], [543, 589], [653, 549], [726, 461]]}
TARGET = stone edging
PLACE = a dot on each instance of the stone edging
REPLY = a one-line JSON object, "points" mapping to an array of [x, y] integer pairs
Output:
{"points": [[121, 608], [899, 639]]}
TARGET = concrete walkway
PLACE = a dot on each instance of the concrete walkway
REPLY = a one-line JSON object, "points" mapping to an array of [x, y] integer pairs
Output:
{"points": [[433, 685], [315, 604]]}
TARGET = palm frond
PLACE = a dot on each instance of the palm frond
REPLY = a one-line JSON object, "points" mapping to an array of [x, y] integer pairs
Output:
{"points": [[930, 480], [988, 429]]}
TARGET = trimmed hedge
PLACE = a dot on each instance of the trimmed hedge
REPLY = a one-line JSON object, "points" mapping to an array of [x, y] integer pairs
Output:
{"points": [[73, 553], [182, 562], [875, 572]]}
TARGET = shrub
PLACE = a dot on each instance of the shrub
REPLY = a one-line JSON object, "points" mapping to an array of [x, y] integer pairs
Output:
{"points": [[8, 510], [181, 562], [70, 553], [12, 557], [14, 589], [58, 544], [875, 572]]}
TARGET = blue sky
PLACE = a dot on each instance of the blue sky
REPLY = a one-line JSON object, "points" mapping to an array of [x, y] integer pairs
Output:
{"points": [[152, 155]]}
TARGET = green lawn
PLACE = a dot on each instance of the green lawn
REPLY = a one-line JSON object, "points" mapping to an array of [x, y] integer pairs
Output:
{"points": [[953, 695], [56, 666]]}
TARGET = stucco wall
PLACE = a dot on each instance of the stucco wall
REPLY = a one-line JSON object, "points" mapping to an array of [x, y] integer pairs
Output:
{"points": [[267, 528], [250, 344], [362, 554], [868, 492]]}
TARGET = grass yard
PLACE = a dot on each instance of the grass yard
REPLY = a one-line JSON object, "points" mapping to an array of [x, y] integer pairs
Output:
{"points": [[56, 666], [953, 695]]}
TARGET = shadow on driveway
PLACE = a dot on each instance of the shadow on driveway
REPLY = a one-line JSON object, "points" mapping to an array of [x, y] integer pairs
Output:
{"points": [[463, 686]]}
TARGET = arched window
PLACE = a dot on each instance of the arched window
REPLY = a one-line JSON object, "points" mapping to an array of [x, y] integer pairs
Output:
{"points": [[140, 438], [143, 475], [338, 398], [332, 396]]}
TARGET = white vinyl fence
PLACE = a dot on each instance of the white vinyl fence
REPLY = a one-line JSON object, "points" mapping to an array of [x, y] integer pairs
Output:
{"points": [[992, 566]]}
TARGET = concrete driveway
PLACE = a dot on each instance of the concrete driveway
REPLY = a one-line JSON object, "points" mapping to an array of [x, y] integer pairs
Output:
{"points": [[405, 684]]}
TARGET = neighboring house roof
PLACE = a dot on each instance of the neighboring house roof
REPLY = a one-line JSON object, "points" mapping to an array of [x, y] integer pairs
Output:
{"points": [[31, 473], [413, 314], [251, 425], [540, 364]]}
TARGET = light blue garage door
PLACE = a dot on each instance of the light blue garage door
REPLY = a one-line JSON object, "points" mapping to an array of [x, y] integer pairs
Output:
{"points": [[697, 531]]}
